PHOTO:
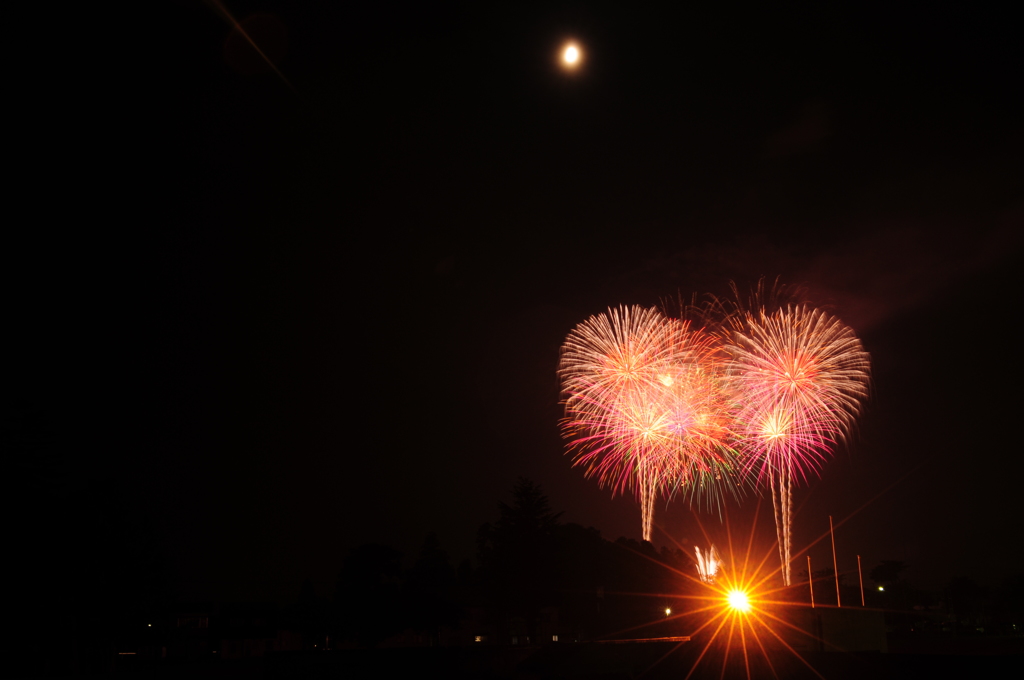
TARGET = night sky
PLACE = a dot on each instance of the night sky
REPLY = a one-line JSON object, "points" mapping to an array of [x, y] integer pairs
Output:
{"points": [[260, 318]]}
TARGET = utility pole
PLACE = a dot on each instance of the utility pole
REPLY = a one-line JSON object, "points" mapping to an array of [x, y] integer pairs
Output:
{"points": [[835, 568], [860, 574], [810, 581]]}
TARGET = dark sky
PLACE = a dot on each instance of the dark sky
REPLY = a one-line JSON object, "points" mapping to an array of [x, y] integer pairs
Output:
{"points": [[299, 311]]}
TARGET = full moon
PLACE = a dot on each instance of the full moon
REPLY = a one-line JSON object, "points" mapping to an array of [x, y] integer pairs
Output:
{"points": [[571, 55]]}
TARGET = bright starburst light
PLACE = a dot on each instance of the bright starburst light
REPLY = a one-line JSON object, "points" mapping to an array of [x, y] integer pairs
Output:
{"points": [[738, 600], [745, 624]]}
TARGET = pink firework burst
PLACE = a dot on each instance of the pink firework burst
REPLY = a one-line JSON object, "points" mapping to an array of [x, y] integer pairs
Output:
{"points": [[644, 406], [800, 376]]}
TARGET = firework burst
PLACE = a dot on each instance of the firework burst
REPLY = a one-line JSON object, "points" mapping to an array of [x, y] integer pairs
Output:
{"points": [[708, 564], [800, 376], [656, 406], [644, 406]]}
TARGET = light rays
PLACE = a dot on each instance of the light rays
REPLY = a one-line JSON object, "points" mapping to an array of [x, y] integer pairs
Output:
{"points": [[763, 633]]}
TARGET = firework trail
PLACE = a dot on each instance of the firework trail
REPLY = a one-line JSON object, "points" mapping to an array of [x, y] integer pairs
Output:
{"points": [[644, 406], [708, 564], [800, 376]]}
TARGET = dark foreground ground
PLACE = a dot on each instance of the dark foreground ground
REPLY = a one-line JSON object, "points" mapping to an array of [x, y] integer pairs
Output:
{"points": [[948, 657]]}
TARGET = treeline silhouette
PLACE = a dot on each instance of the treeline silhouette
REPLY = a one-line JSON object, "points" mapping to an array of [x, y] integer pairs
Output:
{"points": [[533, 575]]}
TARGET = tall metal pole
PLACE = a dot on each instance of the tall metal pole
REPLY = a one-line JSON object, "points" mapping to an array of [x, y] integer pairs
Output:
{"points": [[860, 574], [810, 581], [835, 568]]}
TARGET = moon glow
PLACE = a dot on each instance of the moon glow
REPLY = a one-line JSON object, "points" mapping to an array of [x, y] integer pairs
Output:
{"points": [[571, 55]]}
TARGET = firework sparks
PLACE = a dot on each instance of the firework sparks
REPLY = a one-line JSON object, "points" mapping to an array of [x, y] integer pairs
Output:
{"points": [[800, 375], [644, 406], [708, 564], [654, 406]]}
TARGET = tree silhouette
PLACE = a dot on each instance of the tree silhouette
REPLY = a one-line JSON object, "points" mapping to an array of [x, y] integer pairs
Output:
{"points": [[429, 591], [518, 559], [309, 614], [368, 595]]}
